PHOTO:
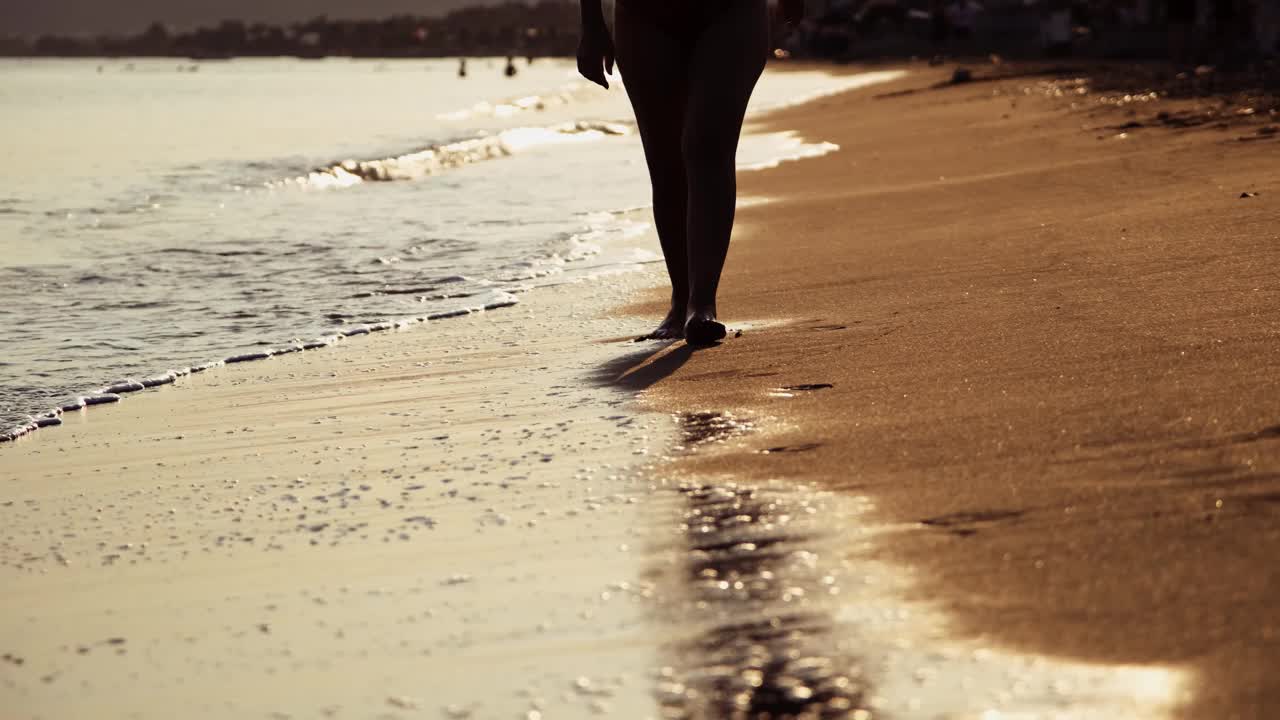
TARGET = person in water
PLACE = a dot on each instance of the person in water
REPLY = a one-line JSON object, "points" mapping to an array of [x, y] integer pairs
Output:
{"points": [[689, 68]]}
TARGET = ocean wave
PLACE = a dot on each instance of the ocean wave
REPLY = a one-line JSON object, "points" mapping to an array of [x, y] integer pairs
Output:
{"points": [[436, 159], [607, 238], [568, 93]]}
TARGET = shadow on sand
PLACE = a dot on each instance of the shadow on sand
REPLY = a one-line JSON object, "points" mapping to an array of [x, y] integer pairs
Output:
{"points": [[643, 367]]}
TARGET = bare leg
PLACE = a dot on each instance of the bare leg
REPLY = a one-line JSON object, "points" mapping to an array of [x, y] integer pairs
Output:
{"points": [[654, 67], [726, 63]]}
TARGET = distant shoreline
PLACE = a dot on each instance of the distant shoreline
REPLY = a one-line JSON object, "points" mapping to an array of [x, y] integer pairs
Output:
{"points": [[547, 29], [284, 56]]}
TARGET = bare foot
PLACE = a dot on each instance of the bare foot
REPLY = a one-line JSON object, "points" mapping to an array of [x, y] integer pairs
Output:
{"points": [[672, 327], [702, 328]]}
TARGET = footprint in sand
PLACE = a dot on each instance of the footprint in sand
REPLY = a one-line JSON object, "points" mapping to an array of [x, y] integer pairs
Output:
{"points": [[964, 524], [803, 447], [787, 391], [1265, 502]]}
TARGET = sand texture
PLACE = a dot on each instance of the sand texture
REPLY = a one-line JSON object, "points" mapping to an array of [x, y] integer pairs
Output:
{"points": [[1043, 348]]}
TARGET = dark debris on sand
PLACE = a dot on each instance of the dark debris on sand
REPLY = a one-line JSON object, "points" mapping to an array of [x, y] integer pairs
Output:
{"points": [[1157, 94]]}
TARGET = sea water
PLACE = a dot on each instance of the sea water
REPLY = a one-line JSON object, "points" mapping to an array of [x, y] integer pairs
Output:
{"points": [[160, 214]]}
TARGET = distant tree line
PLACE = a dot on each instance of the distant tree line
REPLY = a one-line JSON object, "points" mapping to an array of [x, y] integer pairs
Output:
{"points": [[546, 29]]}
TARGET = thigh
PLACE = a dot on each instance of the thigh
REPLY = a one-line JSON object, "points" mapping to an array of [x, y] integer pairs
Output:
{"points": [[654, 62], [727, 60]]}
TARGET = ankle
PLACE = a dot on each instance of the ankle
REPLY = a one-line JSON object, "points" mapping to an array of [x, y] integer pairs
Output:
{"points": [[698, 299], [701, 305]]}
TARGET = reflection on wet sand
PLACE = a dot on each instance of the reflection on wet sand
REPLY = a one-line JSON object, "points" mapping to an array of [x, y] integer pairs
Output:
{"points": [[754, 601], [780, 608]]}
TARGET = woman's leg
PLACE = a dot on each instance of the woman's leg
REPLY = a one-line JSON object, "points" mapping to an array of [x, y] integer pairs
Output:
{"points": [[727, 61], [654, 66]]}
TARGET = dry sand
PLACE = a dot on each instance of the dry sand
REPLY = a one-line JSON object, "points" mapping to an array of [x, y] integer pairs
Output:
{"points": [[1042, 350]]}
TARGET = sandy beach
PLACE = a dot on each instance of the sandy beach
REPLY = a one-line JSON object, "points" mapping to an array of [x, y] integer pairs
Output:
{"points": [[1042, 346], [994, 435]]}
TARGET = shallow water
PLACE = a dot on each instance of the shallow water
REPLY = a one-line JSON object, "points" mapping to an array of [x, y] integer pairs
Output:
{"points": [[161, 214], [149, 219]]}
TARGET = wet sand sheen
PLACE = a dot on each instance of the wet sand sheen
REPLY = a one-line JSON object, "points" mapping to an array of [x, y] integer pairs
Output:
{"points": [[777, 605], [751, 601]]}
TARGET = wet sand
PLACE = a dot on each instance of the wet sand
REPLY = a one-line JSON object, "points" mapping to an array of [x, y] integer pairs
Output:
{"points": [[437, 522], [1039, 348]]}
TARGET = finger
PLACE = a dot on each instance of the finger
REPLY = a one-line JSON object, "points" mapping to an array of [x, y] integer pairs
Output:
{"points": [[593, 73], [589, 70], [608, 64], [597, 77]]}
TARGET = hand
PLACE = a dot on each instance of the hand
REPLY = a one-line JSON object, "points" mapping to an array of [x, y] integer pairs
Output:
{"points": [[791, 11], [595, 54]]}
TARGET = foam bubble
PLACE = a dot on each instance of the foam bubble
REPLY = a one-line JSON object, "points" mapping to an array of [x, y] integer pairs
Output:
{"points": [[320, 342], [158, 380], [249, 356], [101, 399], [17, 432]]}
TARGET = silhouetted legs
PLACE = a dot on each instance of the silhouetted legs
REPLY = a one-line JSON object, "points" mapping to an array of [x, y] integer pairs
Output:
{"points": [[689, 87]]}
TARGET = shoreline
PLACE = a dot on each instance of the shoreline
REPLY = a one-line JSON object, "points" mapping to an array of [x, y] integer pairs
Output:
{"points": [[115, 392], [519, 146], [1037, 344], [378, 530]]}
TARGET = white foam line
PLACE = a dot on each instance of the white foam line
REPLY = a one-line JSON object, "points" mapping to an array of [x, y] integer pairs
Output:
{"points": [[435, 160], [564, 95], [838, 84], [101, 399], [787, 146], [249, 357], [761, 151], [113, 393]]}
